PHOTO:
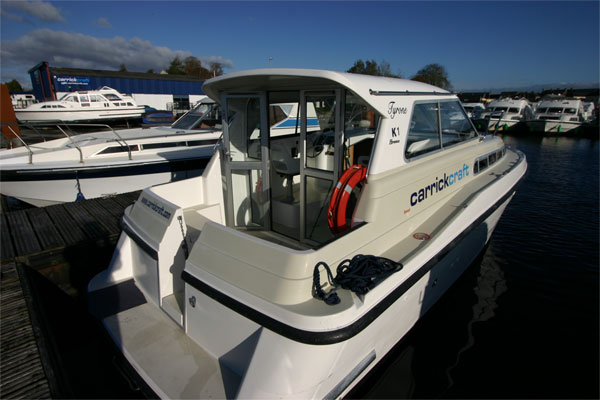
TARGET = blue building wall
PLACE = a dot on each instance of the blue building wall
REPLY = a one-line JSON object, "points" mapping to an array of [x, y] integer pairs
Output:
{"points": [[46, 81], [68, 83]]}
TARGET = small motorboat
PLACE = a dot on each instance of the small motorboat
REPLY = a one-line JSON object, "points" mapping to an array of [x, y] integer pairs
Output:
{"points": [[503, 114], [110, 162], [295, 263], [102, 105]]}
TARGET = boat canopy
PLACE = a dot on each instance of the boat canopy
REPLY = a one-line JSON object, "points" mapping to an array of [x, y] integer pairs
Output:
{"points": [[280, 79]]}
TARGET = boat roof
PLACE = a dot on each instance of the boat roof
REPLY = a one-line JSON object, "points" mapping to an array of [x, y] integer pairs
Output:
{"points": [[283, 79], [508, 102]]}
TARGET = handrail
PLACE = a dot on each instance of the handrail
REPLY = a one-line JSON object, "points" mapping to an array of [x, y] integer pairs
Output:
{"points": [[22, 141], [65, 129], [119, 138], [74, 144]]}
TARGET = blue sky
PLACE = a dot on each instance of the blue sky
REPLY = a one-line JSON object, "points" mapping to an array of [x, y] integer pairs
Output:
{"points": [[483, 45]]}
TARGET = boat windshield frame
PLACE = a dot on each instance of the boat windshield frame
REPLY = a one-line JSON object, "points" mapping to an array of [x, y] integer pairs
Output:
{"points": [[193, 118]]}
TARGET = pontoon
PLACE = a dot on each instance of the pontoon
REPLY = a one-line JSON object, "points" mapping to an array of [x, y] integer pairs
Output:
{"points": [[236, 284]]}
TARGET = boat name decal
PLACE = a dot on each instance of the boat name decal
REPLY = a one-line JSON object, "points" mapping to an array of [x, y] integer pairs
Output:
{"points": [[392, 111], [439, 184], [156, 208]]}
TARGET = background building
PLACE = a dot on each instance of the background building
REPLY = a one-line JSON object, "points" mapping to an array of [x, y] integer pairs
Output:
{"points": [[161, 91]]}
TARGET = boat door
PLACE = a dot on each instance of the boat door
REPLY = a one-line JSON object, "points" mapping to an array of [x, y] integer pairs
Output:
{"points": [[321, 161], [245, 161]]}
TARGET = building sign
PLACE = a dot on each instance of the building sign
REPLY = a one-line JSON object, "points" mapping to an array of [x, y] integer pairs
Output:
{"points": [[72, 80]]}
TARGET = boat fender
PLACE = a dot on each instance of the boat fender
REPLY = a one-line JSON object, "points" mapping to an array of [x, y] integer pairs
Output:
{"points": [[359, 274], [336, 214]]}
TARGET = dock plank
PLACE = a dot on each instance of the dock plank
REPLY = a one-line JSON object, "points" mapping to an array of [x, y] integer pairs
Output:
{"points": [[105, 218], [70, 231], [90, 226], [112, 206], [22, 232], [44, 228], [22, 372], [7, 251]]}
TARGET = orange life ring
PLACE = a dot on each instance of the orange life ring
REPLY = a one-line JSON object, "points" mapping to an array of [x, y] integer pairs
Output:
{"points": [[336, 215]]}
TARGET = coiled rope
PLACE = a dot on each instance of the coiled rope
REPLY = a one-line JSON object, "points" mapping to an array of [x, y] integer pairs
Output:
{"points": [[359, 274]]}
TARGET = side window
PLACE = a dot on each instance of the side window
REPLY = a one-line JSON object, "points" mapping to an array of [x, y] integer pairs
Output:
{"points": [[360, 123], [423, 133], [456, 126]]}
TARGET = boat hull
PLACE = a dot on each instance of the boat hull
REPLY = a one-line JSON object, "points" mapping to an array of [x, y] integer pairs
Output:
{"points": [[239, 350], [79, 115], [47, 186], [552, 127]]}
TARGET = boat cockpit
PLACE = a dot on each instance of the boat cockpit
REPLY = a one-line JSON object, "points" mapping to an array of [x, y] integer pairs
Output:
{"points": [[282, 154]]}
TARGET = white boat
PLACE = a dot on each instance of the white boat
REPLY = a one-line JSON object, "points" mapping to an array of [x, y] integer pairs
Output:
{"points": [[504, 114], [22, 100], [474, 109], [555, 115], [110, 162], [104, 104], [218, 286]]}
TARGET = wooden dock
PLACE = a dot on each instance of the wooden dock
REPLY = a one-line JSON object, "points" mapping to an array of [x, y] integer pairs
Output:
{"points": [[61, 246]]}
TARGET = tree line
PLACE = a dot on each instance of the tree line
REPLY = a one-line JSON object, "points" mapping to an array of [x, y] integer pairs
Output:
{"points": [[190, 66], [434, 74]]}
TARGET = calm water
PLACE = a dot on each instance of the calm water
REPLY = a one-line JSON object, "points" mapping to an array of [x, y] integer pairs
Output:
{"points": [[523, 321]]}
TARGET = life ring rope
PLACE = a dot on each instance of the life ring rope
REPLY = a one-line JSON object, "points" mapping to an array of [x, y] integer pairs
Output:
{"points": [[336, 214]]}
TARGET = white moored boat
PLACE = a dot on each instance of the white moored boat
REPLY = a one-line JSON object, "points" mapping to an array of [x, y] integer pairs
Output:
{"points": [[110, 162], [503, 114], [555, 115], [104, 104], [218, 286]]}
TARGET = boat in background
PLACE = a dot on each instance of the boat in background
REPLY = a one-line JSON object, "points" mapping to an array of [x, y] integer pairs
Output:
{"points": [[110, 162], [503, 114], [557, 114], [102, 105], [223, 286], [474, 109]]}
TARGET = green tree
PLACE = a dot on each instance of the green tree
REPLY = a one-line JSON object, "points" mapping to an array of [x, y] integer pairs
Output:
{"points": [[122, 68], [176, 67], [150, 71], [370, 67], [14, 86], [215, 69], [434, 74]]}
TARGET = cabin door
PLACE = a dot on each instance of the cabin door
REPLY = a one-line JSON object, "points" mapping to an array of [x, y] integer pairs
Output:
{"points": [[245, 161], [321, 161]]}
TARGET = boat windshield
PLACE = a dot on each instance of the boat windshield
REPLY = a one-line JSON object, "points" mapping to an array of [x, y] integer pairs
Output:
{"points": [[203, 116]]}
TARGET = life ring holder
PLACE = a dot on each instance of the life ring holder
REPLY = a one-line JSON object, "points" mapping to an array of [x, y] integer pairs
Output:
{"points": [[336, 213]]}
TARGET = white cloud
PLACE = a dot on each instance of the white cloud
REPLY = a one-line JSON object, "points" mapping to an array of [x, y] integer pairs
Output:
{"points": [[103, 23], [76, 50], [36, 8]]}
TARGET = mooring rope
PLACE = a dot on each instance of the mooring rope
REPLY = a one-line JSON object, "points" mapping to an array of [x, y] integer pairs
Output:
{"points": [[359, 274]]}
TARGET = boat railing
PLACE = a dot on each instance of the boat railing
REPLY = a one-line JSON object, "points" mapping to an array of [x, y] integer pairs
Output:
{"points": [[66, 129]]}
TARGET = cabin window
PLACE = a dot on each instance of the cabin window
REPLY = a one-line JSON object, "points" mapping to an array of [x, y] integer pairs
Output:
{"points": [[570, 111], [555, 110], [542, 110], [456, 126], [513, 110], [360, 123], [84, 98], [423, 135], [431, 121], [112, 97], [94, 98], [118, 149]]}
